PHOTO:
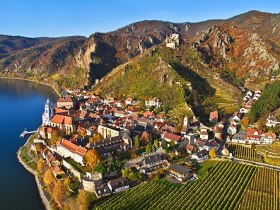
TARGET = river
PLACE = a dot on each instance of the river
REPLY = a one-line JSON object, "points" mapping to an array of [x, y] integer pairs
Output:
{"points": [[21, 106]]}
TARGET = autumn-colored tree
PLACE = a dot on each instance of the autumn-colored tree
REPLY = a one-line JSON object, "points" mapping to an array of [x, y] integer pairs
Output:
{"points": [[39, 147], [245, 121], [144, 138], [67, 181], [70, 204], [92, 158], [82, 200], [212, 152], [55, 137], [40, 166], [48, 177], [96, 137], [59, 193], [82, 132]]}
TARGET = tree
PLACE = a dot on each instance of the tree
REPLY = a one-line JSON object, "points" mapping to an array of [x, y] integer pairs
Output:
{"points": [[96, 137], [55, 137], [48, 177], [40, 166], [144, 138], [59, 193], [212, 152], [82, 200], [83, 132], [164, 144], [156, 144], [128, 173], [172, 144], [136, 142], [244, 121], [92, 158], [67, 181], [148, 148]]}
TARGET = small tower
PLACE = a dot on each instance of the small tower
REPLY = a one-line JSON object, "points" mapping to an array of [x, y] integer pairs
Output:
{"points": [[48, 113], [186, 121]]}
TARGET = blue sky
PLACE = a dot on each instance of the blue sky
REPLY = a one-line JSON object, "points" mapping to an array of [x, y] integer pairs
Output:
{"points": [[54, 18]]}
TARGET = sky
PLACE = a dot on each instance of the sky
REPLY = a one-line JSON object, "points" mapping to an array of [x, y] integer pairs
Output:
{"points": [[54, 18]]}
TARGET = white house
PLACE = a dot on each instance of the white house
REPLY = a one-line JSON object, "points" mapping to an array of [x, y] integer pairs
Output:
{"points": [[268, 138], [66, 149], [272, 121], [239, 137], [153, 102], [118, 185], [200, 156]]}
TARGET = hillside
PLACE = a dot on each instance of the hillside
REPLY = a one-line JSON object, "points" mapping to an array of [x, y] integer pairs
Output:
{"points": [[268, 102], [246, 46]]}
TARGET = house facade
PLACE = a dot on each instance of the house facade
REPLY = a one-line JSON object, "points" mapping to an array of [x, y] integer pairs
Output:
{"points": [[67, 149], [66, 103], [64, 123]]}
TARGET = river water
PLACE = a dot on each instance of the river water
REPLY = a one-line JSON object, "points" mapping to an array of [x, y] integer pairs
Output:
{"points": [[21, 106]]}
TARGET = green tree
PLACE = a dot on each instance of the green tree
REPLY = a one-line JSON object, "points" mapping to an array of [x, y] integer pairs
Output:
{"points": [[172, 144], [156, 144], [136, 142], [164, 144], [149, 148]]}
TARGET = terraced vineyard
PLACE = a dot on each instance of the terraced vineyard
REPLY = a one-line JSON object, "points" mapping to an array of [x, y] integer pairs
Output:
{"points": [[222, 188], [262, 192], [243, 152]]}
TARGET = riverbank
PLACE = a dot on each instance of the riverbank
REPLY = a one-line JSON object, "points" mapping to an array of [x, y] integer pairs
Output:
{"points": [[45, 200], [35, 81]]}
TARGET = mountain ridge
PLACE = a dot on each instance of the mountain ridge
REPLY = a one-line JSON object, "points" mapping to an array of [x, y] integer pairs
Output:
{"points": [[54, 58]]}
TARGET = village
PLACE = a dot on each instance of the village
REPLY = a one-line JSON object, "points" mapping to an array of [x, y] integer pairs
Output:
{"points": [[109, 145]]}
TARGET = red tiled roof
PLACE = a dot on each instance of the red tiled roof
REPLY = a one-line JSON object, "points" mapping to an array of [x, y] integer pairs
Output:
{"points": [[270, 135], [73, 148], [214, 115], [172, 136], [66, 99], [148, 113], [61, 119], [60, 111]]}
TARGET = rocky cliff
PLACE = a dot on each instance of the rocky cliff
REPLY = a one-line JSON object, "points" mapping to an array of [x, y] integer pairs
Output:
{"points": [[247, 45]]}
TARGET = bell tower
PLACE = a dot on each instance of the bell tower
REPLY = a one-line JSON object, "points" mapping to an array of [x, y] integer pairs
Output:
{"points": [[186, 121], [48, 113]]}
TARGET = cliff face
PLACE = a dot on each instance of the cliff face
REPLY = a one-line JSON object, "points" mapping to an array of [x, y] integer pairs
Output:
{"points": [[247, 45]]}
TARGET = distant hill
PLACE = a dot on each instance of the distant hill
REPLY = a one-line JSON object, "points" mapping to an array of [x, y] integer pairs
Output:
{"points": [[246, 47]]}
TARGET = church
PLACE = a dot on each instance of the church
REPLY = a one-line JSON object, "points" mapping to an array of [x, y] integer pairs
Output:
{"points": [[48, 113]]}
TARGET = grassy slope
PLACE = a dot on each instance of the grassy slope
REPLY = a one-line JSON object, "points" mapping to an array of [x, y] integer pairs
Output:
{"points": [[145, 78]]}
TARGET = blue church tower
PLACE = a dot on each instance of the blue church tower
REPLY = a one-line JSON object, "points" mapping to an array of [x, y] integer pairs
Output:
{"points": [[48, 113]]}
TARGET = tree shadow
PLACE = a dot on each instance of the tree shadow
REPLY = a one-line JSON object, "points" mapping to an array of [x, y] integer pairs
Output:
{"points": [[200, 90]]}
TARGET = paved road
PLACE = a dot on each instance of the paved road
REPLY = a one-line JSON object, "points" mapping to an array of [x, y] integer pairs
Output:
{"points": [[256, 163]]}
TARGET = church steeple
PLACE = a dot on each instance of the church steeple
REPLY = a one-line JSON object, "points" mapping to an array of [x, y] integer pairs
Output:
{"points": [[48, 113]]}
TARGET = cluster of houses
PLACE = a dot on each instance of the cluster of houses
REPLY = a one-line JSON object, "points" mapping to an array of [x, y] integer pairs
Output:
{"points": [[248, 100], [78, 118], [253, 136], [118, 122]]}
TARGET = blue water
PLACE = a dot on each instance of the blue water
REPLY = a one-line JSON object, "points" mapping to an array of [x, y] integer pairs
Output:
{"points": [[21, 106]]}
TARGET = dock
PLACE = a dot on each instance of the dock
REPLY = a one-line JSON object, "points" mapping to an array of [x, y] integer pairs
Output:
{"points": [[25, 132]]}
